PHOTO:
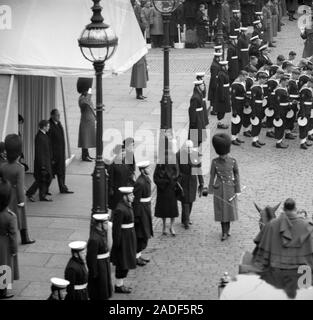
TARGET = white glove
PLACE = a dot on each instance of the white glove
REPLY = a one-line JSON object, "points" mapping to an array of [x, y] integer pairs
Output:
{"points": [[22, 204], [90, 91]]}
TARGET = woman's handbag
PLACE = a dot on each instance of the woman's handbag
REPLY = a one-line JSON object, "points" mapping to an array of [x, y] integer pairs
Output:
{"points": [[179, 191]]}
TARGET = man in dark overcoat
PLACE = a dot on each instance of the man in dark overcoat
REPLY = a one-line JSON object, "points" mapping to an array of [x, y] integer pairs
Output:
{"points": [[232, 58], [87, 126], [123, 253], [247, 12], [189, 175], [200, 76], [197, 126], [258, 29], [42, 164], [243, 48], [235, 23], [142, 211], [98, 260], [139, 77], [222, 95], [76, 272], [56, 134], [214, 70]]}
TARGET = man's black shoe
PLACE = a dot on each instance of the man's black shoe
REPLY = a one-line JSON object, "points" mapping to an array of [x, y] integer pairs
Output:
{"points": [[122, 289], [308, 144], [303, 146], [67, 191], [240, 141], [236, 143], [261, 143], [290, 136], [281, 145], [255, 144], [140, 262], [6, 296], [30, 198], [270, 134], [45, 200], [222, 126], [87, 159], [247, 134]]}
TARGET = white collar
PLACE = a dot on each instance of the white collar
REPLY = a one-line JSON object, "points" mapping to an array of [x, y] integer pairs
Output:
{"points": [[42, 131]]}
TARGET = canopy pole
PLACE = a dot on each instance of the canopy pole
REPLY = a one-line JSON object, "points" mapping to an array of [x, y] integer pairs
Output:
{"points": [[65, 119], [7, 108]]}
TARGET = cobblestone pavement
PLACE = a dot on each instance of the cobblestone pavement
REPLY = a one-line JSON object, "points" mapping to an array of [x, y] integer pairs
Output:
{"points": [[189, 265]]}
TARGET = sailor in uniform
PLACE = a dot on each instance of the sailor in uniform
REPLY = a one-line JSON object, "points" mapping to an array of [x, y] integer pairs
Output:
{"points": [[281, 109], [98, 258], [254, 46], [257, 96], [235, 23], [243, 48], [76, 272], [123, 253], [58, 289], [142, 211], [238, 100]]}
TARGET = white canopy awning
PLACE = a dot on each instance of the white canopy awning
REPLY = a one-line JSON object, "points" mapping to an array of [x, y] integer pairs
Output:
{"points": [[39, 37]]}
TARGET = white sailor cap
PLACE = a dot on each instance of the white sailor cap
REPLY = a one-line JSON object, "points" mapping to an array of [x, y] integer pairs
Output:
{"points": [[219, 47], [101, 217], [265, 46], [243, 28], [263, 73], [237, 29], [59, 283], [259, 13], [223, 63], [218, 54], [256, 22], [78, 245], [198, 82], [126, 190], [200, 74], [143, 164], [236, 11], [254, 38], [233, 37]]}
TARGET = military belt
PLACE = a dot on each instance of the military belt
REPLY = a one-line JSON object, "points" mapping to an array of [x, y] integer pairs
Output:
{"points": [[284, 104], [103, 255], [295, 96], [80, 286], [145, 199], [308, 103], [234, 57], [258, 101], [226, 85], [199, 109], [127, 226], [239, 98]]}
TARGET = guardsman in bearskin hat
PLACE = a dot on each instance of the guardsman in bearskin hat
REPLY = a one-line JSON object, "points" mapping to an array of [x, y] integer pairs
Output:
{"points": [[293, 103], [214, 70], [238, 101], [98, 258], [123, 254], [235, 23], [76, 272], [246, 122], [257, 29], [190, 175], [272, 83], [306, 97], [254, 46], [200, 76], [233, 59], [87, 126], [257, 97], [243, 48], [14, 172], [281, 108], [58, 289], [197, 126], [222, 96], [142, 211], [224, 184], [264, 58]]}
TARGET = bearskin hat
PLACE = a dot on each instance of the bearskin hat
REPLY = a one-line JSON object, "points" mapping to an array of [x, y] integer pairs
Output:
{"points": [[221, 143], [84, 84], [13, 147]]}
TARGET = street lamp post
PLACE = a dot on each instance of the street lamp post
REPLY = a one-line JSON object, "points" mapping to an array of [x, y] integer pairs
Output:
{"points": [[98, 43], [166, 8], [220, 34]]}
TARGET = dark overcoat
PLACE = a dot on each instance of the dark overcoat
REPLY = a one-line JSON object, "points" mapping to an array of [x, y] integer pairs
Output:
{"points": [[142, 210], [139, 75], [222, 96], [197, 125], [205, 108], [42, 157], [224, 184], [243, 51], [120, 175], [214, 69], [76, 273], [8, 242], [123, 253], [165, 177], [189, 175], [247, 12], [15, 173], [99, 269], [56, 134], [233, 62], [308, 44], [254, 50], [234, 24], [87, 126]]}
